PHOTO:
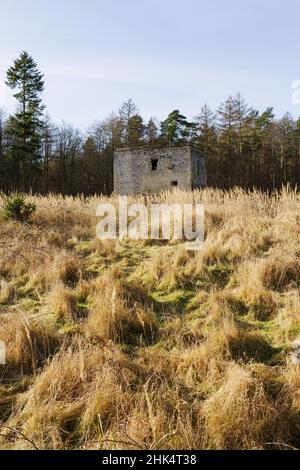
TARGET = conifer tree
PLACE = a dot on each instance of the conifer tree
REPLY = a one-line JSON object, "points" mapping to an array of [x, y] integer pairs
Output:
{"points": [[151, 132], [176, 129], [27, 80]]}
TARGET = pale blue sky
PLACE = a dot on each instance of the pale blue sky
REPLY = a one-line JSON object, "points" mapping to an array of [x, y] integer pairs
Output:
{"points": [[165, 54]]}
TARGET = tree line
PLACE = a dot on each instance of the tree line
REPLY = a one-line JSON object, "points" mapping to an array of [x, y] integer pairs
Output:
{"points": [[243, 147]]}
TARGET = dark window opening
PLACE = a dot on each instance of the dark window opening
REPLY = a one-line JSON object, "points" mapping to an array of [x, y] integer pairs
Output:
{"points": [[154, 164], [174, 183]]}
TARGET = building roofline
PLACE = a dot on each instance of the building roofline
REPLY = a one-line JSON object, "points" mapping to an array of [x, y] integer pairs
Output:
{"points": [[130, 149]]}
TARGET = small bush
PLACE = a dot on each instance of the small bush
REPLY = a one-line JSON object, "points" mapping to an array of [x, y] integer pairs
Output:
{"points": [[16, 207]]}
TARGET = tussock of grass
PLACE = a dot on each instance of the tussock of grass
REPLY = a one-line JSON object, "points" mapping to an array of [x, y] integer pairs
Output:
{"points": [[287, 322], [261, 303], [66, 268], [278, 272], [118, 315], [7, 292], [62, 303], [28, 344], [246, 412]]}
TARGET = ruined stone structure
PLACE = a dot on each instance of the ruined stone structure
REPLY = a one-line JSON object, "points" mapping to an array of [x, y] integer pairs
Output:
{"points": [[150, 171]]}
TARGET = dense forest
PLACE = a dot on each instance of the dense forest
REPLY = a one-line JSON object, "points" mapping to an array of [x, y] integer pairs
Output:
{"points": [[243, 147]]}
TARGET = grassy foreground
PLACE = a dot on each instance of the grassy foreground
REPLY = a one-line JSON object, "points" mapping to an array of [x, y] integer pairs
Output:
{"points": [[144, 345]]}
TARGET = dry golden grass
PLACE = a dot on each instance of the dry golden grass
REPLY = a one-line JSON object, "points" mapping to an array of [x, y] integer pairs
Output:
{"points": [[249, 410], [117, 313], [144, 345], [29, 344]]}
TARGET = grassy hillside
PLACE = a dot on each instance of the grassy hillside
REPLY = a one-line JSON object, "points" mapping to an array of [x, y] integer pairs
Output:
{"points": [[144, 345]]}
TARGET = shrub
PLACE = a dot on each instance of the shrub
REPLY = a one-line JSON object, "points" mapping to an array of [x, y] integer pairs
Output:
{"points": [[16, 207]]}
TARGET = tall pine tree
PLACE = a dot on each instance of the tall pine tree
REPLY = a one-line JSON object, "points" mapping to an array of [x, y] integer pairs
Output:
{"points": [[27, 80]]}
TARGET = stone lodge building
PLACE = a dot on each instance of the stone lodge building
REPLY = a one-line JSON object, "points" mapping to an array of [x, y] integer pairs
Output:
{"points": [[151, 171]]}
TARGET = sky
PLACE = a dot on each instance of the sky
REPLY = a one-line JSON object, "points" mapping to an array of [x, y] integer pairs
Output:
{"points": [[164, 54]]}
